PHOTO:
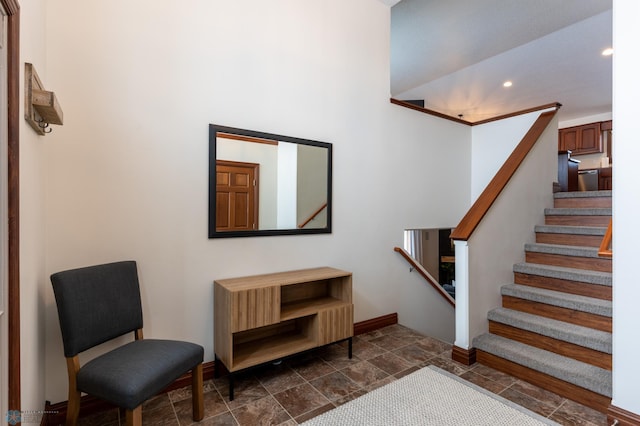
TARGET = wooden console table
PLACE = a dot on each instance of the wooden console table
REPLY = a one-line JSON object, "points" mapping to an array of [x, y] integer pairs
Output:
{"points": [[264, 318]]}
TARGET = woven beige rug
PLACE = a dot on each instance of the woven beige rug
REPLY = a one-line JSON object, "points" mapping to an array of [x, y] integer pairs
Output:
{"points": [[429, 396]]}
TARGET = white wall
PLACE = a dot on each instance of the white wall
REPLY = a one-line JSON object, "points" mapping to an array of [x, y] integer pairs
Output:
{"points": [[585, 120], [492, 144], [626, 204], [126, 175], [498, 241], [429, 188], [33, 277]]}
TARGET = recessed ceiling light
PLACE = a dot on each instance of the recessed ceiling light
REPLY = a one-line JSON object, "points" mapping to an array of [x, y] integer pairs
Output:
{"points": [[507, 83], [607, 52]]}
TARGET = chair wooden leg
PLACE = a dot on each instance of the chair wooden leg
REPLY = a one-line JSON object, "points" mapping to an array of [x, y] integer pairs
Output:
{"points": [[134, 417], [73, 408], [73, 405], [197, 394]]}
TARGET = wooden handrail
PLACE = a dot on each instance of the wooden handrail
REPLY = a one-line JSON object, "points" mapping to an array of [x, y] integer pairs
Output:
{"points": [[555, 105], [473, 123], [605, 246], [313, 216], [472, 219], [246, 138], [426, 275], [429, 111]]}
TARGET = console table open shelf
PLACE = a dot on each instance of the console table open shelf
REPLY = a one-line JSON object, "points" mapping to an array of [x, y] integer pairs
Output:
{"points": [[264, 318]]}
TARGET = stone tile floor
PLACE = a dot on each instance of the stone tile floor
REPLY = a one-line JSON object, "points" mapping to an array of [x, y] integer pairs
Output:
{"points": [[307, 385]]}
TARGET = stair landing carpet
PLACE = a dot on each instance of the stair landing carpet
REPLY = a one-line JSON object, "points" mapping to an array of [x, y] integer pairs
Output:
{"points": [[429, 396]]}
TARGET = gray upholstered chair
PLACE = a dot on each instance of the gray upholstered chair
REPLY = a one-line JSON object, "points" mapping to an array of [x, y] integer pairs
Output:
{"points": [[99, 303]]}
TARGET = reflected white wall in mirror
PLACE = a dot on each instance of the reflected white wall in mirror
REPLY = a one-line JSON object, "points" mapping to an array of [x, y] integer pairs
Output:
{"points": [[314, 161], [287, 195]]}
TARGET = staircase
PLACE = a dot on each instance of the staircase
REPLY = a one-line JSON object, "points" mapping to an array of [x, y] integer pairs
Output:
{"points": [[554, 327]]}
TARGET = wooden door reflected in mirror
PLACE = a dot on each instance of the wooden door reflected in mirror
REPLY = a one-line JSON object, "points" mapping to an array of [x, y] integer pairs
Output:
{"points": [[236, 196]]}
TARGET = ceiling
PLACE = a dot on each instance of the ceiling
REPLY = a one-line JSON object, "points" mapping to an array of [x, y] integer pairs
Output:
{"points": [[456, 54]]}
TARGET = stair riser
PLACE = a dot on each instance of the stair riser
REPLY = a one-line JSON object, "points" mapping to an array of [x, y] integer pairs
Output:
{"points": [[573, 287], [588, 263], [569, 239], [570, 391], [583, 203], [587, 355], [581, 259], [585, 319], [577, 220]]}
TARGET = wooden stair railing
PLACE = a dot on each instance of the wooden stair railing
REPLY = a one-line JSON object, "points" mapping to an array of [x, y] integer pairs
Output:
{"points": [[414, 107], [313, 216], [462, 350], [605, 247], [426, 275], [479, 209]]}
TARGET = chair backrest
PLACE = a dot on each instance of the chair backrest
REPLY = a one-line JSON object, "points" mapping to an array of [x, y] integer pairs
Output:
{"points": [[97, 304]]}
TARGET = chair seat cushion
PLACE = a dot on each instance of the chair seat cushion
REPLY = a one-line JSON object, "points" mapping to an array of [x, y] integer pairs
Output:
{"points": [[131, 374]]}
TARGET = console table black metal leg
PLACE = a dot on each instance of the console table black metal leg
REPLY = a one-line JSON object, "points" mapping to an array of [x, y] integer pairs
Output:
{"points": [[350, 347], [216, 366]]}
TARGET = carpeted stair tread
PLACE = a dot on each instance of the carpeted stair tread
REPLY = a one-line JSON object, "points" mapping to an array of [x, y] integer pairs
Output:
{"points": [[579, 251], [560, 299], [589, 211], [573, 230], [559, 330], [578, 373], [582, 194], [561, 272]]}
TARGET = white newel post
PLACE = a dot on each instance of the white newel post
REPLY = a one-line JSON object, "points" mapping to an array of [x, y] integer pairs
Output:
{"points": [[462, 295]]}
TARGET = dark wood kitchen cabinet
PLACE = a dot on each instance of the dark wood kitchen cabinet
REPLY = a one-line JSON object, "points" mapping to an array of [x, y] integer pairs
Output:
{"points": [[585, 139], [607, 130]]}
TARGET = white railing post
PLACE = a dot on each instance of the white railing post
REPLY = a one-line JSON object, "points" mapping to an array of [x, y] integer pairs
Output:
{"points": [[462, 295]]}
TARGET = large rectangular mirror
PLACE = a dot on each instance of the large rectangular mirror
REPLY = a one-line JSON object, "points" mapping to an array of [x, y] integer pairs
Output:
{"points": [[267, 184]]}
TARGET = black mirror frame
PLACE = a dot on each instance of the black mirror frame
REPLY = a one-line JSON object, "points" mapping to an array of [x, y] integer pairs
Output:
{"points": [[213, 131]]}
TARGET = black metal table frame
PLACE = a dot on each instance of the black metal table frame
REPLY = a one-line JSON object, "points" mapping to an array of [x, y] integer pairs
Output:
{"points": [[218, 361]]}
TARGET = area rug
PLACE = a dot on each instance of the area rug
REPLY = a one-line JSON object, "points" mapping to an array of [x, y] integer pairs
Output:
{"points": [[429, 396]]}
